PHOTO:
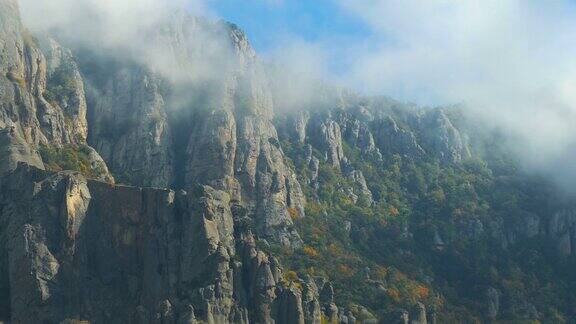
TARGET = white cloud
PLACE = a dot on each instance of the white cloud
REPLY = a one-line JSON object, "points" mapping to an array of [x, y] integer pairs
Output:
{"points": [[511, 61], [110, 22]]}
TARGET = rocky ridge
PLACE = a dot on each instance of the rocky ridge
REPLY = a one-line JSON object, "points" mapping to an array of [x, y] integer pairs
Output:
{"points": [[74, 246], [81, 249]]}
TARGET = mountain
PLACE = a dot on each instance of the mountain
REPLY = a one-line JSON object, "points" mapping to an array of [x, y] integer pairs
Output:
{"points": [[174, 183]]}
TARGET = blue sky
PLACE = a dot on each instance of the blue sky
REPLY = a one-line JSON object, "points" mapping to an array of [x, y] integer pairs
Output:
{"points": [[512, 61], [268, 23]]}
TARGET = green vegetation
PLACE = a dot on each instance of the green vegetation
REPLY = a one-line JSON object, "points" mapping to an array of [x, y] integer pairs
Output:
{"points": [[14, 77], [61, 84], [73, 158], [387, 257]]}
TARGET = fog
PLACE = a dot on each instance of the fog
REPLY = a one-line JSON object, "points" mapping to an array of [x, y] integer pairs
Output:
{"points": [[146, 31], [511, 62]]}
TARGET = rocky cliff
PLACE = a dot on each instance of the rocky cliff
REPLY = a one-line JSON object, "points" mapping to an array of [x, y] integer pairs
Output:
{"points": [[234, 207], [80, 249], [159, 128]]}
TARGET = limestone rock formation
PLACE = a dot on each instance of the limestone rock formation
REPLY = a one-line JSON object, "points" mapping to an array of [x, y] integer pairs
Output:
{"points": [[213, 166], [42, 99], [158, 127], [73, 248]]}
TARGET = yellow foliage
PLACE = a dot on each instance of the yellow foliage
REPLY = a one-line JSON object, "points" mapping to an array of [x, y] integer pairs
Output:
{"points": [[394, 211], [294, 213], [346, 270], [422, 292], [438, 196], [317, 233], [334, 250], [394, 294], [311, 252], [290, 276], [381, 272]]}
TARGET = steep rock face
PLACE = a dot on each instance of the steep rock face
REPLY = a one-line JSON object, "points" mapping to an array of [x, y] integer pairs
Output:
{"points": [[395, 140], [129, 128], [194, 126], [65, 88], [561, 228], [361, 187], [42, 101], [378, 129], [358, 134], [14, 149], [327, 136], [73, 248], [442, 138]]}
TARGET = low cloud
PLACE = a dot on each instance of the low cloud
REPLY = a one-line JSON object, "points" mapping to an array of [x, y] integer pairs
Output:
{"points": [[510, 61]]}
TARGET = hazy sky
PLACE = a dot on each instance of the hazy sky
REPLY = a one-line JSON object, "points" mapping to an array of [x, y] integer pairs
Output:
{"points": [[269, 22], [510, 61], [415, 49]]}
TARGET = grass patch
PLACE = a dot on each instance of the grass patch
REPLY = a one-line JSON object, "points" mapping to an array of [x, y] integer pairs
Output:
{"points": [[61, 84], [15, 78], [72, 158]]}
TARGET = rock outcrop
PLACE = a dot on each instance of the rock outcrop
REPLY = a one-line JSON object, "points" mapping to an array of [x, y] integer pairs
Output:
{"points": [[73, 248], [161, 129], [213, 171], [42, 99]]}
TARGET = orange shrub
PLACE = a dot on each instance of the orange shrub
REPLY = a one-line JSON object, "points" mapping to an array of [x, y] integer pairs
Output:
{"points": [[290, 276], [346, 270], [394, 294], [334, 250], [381, 272], [311, 252], [294, 213], [317, 233], [422, 292]]}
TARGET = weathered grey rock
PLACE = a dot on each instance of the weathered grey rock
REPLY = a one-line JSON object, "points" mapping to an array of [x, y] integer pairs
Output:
{"points": [[310, 302], [492, 303], [398, 317], [129, 128], [418, 314], [357, 177], [441, 138], [36, 108], [14, 149], [166, 257], [438, 243], [297, 126], [562, 230], [392, 139], [346, 317], [63, 72], [358, 134], [169, 123], [289, 306], [326, 136]]}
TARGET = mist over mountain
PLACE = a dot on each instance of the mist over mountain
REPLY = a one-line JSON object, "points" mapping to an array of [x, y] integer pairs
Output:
{"points": [[155, 168]]}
